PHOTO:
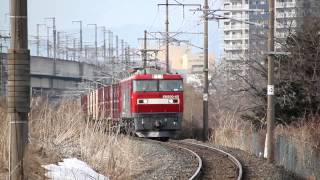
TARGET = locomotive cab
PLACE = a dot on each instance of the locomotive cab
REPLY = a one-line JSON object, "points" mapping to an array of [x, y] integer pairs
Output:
{"points": [[157, 104]]}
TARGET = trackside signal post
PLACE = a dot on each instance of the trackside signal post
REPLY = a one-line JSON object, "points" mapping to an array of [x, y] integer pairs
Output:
{"points": [[18, 96]]}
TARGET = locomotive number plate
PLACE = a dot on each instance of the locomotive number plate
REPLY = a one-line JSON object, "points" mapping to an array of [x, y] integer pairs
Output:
{"points": [[170, 96]]}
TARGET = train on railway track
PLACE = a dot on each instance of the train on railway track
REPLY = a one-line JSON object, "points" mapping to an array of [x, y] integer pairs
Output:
{"points": [[147, 104]]}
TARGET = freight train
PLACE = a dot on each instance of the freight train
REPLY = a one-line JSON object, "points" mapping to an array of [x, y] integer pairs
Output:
{"points": [[146, 104]]}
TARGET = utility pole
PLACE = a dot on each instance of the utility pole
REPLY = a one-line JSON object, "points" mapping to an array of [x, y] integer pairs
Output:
{"points": [[48, 42], [58, 44], [18, 97], [129, 56], [54, 33], [122, 51], [95, 40], [38, 38], [67, 47], [1, 70], [117, 48], [205, 71], [167, 37], [270, 108], [126, 54], [80, 40], [110, 46], [104, 31], [74, 49], [167, 29], [145, 51], [86, 51]]}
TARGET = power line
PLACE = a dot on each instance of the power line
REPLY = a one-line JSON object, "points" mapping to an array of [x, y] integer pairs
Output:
{"points": [[167, 28]]}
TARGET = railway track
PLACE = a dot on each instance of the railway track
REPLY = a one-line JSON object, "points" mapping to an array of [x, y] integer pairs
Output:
{"points": [[215, 163], [207, 162], [197, 172]]}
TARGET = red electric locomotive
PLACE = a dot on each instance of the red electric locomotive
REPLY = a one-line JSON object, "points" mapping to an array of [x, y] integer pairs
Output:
{"points": [[149, 104]]}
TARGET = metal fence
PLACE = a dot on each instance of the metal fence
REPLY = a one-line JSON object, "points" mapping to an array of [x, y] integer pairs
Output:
{"points": [[299, 157]]}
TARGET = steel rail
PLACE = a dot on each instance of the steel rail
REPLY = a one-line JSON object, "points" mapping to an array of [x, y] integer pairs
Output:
{"points": [[197, 173], [229, 156]]}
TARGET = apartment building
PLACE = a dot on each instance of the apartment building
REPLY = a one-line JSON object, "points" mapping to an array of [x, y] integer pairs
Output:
{"points": [[235, 34], [290, 16], [258, 34], [243, 41]]}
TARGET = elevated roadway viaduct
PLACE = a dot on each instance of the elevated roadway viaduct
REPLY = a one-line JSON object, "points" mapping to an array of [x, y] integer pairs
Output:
{"points": [[68, 75]]}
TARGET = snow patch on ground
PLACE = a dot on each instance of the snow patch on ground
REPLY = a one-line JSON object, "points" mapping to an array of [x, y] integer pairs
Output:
{"points": [[71, 169]]}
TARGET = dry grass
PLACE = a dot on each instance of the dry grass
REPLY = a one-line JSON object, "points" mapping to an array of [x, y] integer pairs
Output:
{"points": [[3, 138], [60, 131], [63, 129]]}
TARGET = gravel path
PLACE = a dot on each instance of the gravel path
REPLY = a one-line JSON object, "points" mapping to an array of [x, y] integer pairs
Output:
{"points": [[255, 168], [163, 162]]}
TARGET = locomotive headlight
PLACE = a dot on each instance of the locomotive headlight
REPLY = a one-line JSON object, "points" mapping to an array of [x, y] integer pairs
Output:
{"points": [[174, 123]]}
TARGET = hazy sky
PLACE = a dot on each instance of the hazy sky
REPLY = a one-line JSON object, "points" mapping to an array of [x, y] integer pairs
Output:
{"points": [[127, 18]]}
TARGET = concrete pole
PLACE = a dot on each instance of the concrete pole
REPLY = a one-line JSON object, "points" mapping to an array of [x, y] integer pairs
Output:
{"points": [[129, 58], [1, 69], [18, 97], [126, 54], [67, 48], [74, 49], [117, 47], [167, 37], [205, 71], [48, 42], [95, 41], [58, 43], [270, 108], [122, 51], [80, 22], [110, 46], [104, 31], [54, 33], [145, 51], [38, 38], [86, 52]]}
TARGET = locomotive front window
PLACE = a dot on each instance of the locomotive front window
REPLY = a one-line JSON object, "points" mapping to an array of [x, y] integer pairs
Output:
{"points": [[170, 85], [145, 85]]}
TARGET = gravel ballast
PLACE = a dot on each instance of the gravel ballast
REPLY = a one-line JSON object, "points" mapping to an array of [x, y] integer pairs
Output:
{"points": [[159, 161]]}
